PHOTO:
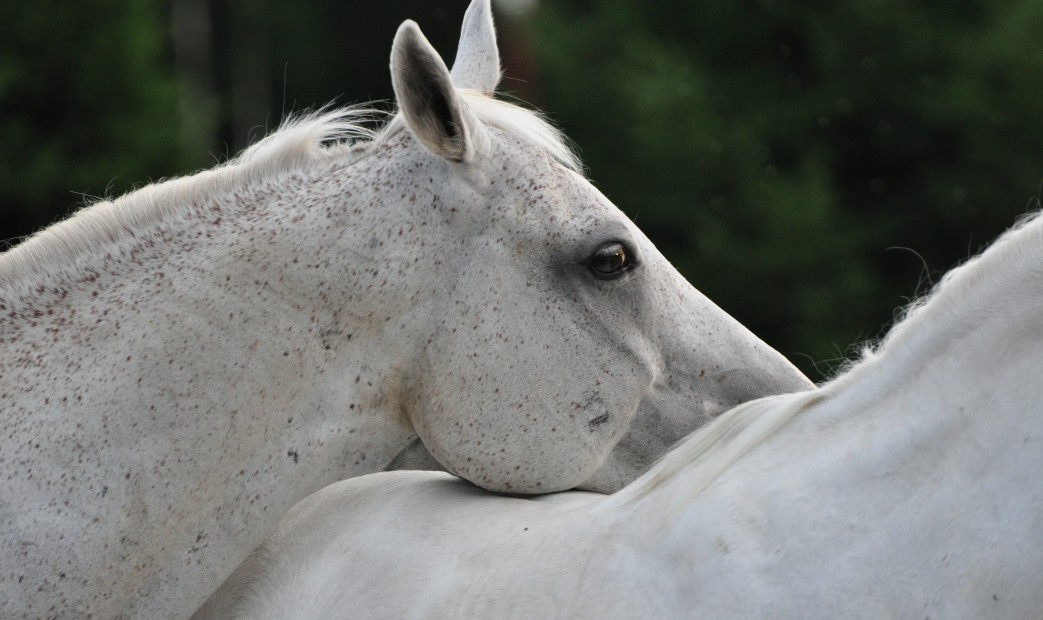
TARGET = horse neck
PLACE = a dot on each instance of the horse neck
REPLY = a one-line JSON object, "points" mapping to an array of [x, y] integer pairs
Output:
{"points": [[210, 229], [258, 272]]}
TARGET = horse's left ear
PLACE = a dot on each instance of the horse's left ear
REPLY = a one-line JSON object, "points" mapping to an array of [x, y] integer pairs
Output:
{"points": [[427, 97], [477, 64]]}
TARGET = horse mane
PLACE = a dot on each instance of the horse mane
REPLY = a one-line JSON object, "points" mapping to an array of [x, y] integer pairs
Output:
{"points": [[301, 142], [961, 301], [967, 296]]}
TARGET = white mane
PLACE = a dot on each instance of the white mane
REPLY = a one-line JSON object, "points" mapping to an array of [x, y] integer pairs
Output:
{"points": [[300, 143], [965, 297]]}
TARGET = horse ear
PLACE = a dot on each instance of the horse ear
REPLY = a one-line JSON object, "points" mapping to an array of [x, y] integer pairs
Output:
{"points": [[426, 95], [477, 64]]}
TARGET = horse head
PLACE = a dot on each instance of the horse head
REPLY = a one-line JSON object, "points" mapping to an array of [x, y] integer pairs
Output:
{"points": [[562, 349]]}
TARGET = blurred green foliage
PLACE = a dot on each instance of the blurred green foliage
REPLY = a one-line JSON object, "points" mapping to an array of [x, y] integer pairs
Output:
{"points": [[776, 151], [779, 151], [88, 106]]}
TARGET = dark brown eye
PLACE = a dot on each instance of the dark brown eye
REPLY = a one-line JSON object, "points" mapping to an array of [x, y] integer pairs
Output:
{"points": [[609, 260]]}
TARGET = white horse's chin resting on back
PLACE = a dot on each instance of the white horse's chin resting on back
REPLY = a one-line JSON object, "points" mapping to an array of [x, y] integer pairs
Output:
{"points": [[909, 487], [180, 366]]}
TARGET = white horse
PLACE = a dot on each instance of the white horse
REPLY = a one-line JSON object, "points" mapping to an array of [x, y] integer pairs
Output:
{"points": [[910, 487], [180, 366]]}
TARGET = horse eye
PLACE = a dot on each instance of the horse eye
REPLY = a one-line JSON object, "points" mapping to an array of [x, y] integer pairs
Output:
{"points": [[609, 260]]}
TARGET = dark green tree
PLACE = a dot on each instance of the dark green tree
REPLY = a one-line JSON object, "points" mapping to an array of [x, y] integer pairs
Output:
{"points": [[88, 105], [779, 151], [100, 96]]}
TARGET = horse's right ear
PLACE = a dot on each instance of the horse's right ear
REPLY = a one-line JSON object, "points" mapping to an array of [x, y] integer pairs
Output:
{"points": [[426, 95]]}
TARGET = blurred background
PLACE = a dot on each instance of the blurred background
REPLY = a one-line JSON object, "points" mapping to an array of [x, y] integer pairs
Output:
{"points": [[810, 166]]}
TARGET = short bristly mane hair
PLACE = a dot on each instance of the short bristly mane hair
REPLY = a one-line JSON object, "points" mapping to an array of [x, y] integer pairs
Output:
{"points": [[301, 142]]}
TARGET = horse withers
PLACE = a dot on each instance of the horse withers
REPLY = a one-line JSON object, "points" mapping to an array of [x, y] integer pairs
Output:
{"points": [[178, 367]]}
